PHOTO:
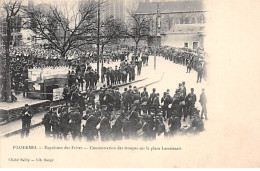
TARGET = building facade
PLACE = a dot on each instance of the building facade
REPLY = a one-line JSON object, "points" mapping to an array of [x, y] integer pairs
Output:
{"points": [[179, 23]]}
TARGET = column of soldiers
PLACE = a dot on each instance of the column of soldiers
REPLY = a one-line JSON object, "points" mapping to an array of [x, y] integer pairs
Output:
{"points": [[128, 115], [190, 60], [122, 74], [83, 74]]}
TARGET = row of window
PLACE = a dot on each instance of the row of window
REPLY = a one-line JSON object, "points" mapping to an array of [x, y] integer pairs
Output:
{"points": [[195, 45]]}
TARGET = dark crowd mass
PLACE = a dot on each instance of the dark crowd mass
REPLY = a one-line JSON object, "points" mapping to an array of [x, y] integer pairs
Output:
{"points": [[79, 63], [128, 115], [92, 113]]}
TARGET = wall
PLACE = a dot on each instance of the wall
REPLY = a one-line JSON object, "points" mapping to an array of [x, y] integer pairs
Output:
{"points": [[178, 40]]}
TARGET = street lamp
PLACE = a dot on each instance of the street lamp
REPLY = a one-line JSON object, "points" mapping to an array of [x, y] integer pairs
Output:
{"points": [[157, 26]]}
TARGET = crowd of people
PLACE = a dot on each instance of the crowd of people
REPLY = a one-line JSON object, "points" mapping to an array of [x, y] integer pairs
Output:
{"points": [[188, 58], [128, 115], [114, 115], [23, 59]]}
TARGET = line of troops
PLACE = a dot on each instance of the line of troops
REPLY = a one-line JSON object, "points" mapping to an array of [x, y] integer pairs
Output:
{"points": [[132, 114], [125, 72], [190, 60]]}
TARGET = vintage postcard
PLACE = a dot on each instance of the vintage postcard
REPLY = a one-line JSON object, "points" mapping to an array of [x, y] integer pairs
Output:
{"points": [[129, 84]]}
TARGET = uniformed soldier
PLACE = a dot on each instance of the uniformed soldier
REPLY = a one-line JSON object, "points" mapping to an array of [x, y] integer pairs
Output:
{"points": [[156, 103], [144, 100], [166, 100], [81, 103], [189, 66], [203, 102], [124, 99], [139, 67], [197, 124], [117, 76], [118, 127], [184, 88], [92, 78], [90, 130], [174, 124], [64, 122], [151, 100], [26, 120], [91, 97], [105, 129], [108, 76], [117, 95], [55, 124], [96, 78], [46, 120], [76, 124], [101, 95], [159, 125], [191, 100], [74, 95], [66, 93], [148, 128], [200, 73], [136, 94], [129, 98], [134, 119], [112, 77]]}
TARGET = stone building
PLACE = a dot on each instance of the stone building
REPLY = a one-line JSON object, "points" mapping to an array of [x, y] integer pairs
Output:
{"points": [[179, 23]]}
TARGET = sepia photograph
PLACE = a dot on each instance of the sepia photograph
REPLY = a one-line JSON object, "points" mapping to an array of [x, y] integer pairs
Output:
{"points": [[108, 81]]}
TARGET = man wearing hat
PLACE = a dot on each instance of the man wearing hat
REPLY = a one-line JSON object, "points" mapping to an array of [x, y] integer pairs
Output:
{"points": [[46, 120], [133, 118], [89, 129], [174, 124], [117, 76], [124, 94], [26, 120], [166, 100], [191, 100], [184, 88], [151, 99], [105, 129], [118, 126], [203, 102], [76, 124], [197, 124], [200, 73], [117, 96]]}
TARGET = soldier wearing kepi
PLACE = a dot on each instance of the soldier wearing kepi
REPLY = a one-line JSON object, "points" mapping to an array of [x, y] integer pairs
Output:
{"points": [[174, 124], [26, 120], [105, 129], [166, 100], [191, 100], [200, 73], [144, 99], [124, 99], [90, 128], [118, 126], [46, 121], [203, 102]]}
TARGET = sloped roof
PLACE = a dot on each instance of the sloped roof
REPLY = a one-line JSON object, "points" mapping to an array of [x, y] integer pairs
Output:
{"points": [[172, 6]]}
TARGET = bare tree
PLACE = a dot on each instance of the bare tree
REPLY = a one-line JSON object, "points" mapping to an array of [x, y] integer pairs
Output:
{"points": [[138, 28], [112, 32], [11, 9], [63, 29]]}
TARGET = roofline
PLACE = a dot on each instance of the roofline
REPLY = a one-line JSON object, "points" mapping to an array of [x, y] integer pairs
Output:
{"points": [[168, 33], [169, 12]]}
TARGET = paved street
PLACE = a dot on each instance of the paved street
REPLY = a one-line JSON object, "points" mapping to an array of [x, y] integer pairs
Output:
{"points": [[171, 74]]}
